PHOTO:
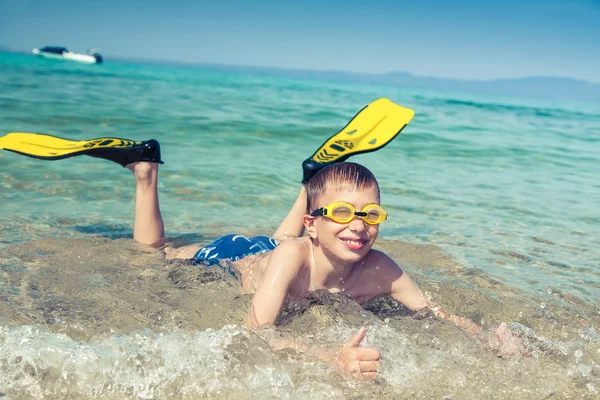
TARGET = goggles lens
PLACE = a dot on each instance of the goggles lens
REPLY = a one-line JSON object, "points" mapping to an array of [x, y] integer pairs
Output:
{"points": [[343, 213]]}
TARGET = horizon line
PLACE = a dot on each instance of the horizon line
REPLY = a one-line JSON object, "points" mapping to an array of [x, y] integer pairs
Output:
{"points": [[7, 49]]}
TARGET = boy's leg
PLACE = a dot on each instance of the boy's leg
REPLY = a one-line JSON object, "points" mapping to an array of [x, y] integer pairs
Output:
{"points": [[148, 226], [292, 225]]}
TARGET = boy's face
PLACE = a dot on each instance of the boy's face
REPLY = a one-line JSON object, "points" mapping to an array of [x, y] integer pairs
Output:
{"points": [[351, 241]]}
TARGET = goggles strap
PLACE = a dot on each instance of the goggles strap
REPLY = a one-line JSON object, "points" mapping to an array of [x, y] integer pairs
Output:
{"points": [[318, 212]]}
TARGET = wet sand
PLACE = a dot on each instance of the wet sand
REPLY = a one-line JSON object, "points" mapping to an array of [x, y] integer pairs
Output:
{"points": [[88, 299]]}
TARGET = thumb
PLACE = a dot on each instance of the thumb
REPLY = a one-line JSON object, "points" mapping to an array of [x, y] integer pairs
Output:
{"points": [[357, 338]]}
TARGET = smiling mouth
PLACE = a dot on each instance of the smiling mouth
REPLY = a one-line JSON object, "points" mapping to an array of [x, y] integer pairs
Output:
{"points": [[354, 244]]}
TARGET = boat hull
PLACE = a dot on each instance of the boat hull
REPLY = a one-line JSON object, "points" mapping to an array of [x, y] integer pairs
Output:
{"points": [[82, 58]]}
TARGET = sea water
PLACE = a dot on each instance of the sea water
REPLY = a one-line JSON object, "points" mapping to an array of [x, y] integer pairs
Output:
{"points": [[493, 208]]}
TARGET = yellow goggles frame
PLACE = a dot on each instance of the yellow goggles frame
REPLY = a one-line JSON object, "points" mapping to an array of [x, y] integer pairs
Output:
{"points": [[329, 211]]}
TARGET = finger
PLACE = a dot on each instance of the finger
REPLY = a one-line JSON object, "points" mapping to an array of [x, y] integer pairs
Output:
{"points": [[357, 338], [368, 376], [369, 366], [367, 354], [503, 327]]}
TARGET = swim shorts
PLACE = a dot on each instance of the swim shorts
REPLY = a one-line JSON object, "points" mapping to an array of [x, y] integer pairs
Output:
{"points": [[234, 247]]}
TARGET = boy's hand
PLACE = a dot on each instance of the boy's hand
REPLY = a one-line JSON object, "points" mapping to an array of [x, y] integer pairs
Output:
{"points": [[359, 362], [505, 342]]}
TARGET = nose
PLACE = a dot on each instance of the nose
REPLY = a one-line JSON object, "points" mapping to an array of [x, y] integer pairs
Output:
{"points": [[357, 224]]}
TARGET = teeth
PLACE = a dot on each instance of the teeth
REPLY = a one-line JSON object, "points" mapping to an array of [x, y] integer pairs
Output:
{"points": [[352, 241]]}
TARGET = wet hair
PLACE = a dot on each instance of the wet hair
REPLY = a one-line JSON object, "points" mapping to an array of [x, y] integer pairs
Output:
{"points": [[344, 176]]}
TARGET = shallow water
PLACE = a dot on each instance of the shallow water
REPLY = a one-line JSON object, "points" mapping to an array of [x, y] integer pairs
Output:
{"points": [[107, 319], [496, 197]]}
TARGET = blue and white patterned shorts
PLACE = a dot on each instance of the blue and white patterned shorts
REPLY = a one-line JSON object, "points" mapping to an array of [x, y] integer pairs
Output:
{"points": [[234, 247]]}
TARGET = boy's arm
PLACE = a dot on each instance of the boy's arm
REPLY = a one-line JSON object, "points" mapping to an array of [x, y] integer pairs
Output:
{"points": [[500, 339], [350, 360], [389, 278], [283, 267], [406, 291]]}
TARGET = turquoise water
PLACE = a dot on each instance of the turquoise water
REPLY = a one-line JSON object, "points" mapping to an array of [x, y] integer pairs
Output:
{"points": [[506, 186]]}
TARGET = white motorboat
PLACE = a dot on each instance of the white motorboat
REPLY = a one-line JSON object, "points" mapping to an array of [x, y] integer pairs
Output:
{"points": [[93, 57]]}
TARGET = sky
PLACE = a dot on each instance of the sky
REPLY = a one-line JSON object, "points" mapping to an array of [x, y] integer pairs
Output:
{"points": [[463, 39]]}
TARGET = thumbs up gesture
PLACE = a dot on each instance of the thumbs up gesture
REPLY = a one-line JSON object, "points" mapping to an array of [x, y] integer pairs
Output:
{"points": [[359, 362]]}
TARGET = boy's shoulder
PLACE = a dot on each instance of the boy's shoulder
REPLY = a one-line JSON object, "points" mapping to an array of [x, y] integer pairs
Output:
{"points": [[300, 244], [378, 266], [374, 275], [295, 250], [377, 259], [288, 264]]}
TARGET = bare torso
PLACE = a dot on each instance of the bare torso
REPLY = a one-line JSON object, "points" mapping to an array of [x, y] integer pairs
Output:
{"points": [[363, 283], [250, 270]]}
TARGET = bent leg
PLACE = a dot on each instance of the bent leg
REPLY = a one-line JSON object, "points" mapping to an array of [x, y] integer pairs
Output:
{"points": [[148, 226], [292, 225]]}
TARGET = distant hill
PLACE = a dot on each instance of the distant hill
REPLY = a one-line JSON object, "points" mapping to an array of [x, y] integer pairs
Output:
{"points": [[559, 88], [547, 87]]}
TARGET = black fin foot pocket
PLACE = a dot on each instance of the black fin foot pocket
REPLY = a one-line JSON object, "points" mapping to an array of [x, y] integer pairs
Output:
{"points": [[148, 150]]}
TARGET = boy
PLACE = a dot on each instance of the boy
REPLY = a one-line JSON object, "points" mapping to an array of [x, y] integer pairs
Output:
{"points": [[338, 205], [342, 222]]}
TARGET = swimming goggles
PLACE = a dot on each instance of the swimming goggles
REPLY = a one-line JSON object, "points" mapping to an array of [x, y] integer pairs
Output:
{"points": [[342, 212]]}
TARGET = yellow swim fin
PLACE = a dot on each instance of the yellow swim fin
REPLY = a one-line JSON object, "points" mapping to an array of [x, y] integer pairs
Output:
{"points": [[371, 129], [47, 147]]}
